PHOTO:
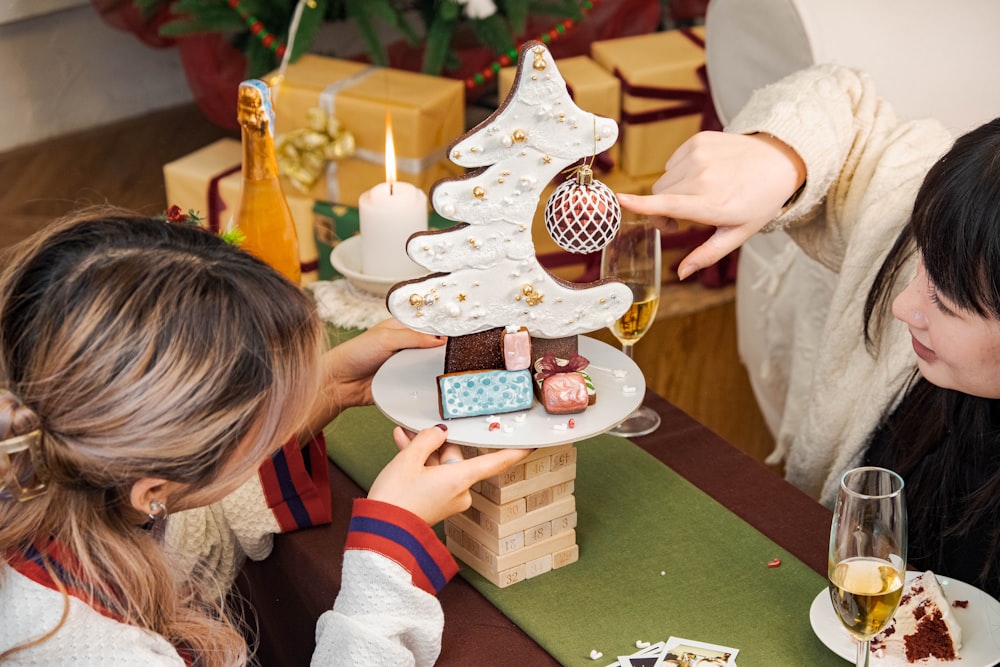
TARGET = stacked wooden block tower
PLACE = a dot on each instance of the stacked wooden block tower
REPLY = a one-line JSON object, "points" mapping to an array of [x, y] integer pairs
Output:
{"points": [[521, 523]]}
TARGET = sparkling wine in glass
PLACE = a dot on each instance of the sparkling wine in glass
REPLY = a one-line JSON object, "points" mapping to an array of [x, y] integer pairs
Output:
{"points": [[633, 257], [867, 567]]}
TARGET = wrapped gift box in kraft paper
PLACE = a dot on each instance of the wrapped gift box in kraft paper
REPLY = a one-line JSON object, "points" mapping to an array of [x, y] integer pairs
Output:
{"points": [[665, 98], [592, 88], [209, 182], [427, 114], [192, 181]]}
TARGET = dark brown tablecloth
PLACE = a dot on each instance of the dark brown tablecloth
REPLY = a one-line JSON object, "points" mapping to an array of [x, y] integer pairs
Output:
{"points": [[300, 580]]}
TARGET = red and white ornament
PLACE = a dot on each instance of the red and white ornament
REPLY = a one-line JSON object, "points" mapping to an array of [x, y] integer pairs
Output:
{"points": [[583, 214]]}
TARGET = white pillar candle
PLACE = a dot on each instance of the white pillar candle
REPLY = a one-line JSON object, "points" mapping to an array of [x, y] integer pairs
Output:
{"points": [[388, 217]]}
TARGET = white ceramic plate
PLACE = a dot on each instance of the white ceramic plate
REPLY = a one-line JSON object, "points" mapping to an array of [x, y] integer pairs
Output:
{"points": [[346, 259], [405, 389], [980, 623]]}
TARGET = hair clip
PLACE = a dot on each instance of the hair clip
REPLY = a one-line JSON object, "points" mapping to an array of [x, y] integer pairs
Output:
{"points": [[9, 483]]}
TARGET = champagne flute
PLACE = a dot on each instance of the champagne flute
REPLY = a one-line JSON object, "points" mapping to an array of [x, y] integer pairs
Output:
{"points": [[867, 553], [633, 257]]}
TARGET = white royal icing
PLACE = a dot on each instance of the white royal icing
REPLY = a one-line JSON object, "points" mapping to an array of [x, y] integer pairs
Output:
{"points": [[494, 277]]}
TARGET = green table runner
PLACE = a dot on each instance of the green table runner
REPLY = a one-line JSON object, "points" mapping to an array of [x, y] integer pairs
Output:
{"points": [[636, 520]]}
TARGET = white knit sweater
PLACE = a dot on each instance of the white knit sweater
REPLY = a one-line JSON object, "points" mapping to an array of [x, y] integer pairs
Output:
{"points": [[385, 614], [864, 167]]}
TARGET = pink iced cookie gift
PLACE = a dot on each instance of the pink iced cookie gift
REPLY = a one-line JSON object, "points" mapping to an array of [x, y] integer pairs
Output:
{"points": [[562, 386], [516, 348]]}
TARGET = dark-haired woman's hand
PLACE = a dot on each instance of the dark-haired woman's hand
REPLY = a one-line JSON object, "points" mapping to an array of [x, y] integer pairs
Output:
{"points": [[736, 183]]}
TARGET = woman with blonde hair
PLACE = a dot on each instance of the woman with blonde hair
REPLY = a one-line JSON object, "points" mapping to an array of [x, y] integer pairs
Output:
{"points": [[148, 368]]}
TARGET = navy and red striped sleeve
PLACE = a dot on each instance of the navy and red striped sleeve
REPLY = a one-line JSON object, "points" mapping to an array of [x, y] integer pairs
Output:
{"points": [[296, 484], [404, 538]]}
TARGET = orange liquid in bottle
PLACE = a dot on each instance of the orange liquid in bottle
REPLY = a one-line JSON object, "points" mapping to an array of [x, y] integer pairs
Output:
{"points": [[264, 216]]}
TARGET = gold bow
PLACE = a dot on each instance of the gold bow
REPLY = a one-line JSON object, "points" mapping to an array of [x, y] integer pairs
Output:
{"points": [[304, 153]]}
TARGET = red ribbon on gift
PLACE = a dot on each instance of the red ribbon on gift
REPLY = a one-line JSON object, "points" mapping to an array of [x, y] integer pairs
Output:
{"points": [[695, 101], [549, 365], [215, 203]]}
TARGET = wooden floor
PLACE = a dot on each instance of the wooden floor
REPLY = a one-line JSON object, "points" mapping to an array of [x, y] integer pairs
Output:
{"points": [[689, 356], [118, 164]]}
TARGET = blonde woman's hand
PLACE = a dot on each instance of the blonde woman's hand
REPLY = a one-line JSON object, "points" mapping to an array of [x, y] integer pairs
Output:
{"points": [[736, 183], [350, 366], [429, 477]]}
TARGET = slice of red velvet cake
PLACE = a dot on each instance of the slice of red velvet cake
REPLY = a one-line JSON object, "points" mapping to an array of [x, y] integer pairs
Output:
{"points": [[923, 625]]}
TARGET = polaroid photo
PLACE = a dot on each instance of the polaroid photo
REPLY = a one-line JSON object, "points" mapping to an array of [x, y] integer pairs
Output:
{"points": [[646, 657], [682, 652]]}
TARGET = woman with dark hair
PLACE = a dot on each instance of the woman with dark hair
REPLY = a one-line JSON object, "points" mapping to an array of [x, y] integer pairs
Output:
{"points": [[907, 371]]}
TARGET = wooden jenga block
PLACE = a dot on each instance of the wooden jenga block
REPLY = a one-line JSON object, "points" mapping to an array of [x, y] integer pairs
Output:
{"points": [[497, 562], [503, 579], [499, 495], [563, 458], [522, 522], [563, 490], [536, 534], [538, 499], [555, 511], [564, 523], [500, 513], [565, 556], [538, 566], [537, 467], [511, 476]]}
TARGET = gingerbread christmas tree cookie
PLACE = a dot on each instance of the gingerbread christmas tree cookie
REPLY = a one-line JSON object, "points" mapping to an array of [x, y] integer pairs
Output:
{"points": [[486, 277]]}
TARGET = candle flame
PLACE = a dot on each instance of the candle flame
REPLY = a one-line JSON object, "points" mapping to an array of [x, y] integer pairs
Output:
{"points": [[390, 152]]}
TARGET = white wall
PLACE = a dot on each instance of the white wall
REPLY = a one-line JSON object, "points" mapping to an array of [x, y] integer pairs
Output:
{"points": [[63, 70]]}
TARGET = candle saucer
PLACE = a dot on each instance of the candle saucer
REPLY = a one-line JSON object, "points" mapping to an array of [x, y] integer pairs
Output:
{"points": [[346, 260]]}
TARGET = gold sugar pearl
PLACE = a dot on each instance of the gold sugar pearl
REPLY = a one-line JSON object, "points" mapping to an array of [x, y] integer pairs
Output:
{"points": [[519, 136], [527, 290], [416, 300], [479, 192]]}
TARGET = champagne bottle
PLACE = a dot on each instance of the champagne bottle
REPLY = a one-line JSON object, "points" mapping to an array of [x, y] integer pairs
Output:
{"points": [[264, 217]]}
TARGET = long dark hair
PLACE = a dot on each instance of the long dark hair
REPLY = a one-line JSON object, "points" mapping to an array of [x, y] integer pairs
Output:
{"points": [[945, 443]]}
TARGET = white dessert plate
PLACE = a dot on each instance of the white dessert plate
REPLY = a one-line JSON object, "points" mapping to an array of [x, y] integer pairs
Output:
{"points": [[345, 258], [980, 622], [405, 389]]}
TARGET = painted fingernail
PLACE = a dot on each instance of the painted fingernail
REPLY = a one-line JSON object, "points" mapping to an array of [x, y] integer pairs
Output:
{"points": [[449, 461], [441, 426]]}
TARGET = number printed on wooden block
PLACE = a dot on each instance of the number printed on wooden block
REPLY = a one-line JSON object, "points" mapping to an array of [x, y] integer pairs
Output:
{"points": [[508, 477], [566, 556], [538, 499], [559, 508], [538, 467], [537, 534], [499, 513], [567, 522], [510, 543], [502, 579], [563, 458], [538, 566], [524, 487], [560, 491]]}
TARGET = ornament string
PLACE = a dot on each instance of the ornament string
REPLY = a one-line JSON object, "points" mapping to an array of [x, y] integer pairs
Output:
{"points": [[286, 55]]}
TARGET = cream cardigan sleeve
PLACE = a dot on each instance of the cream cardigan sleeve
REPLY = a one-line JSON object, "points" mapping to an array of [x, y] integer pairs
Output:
{"points": [[864, 166]]}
